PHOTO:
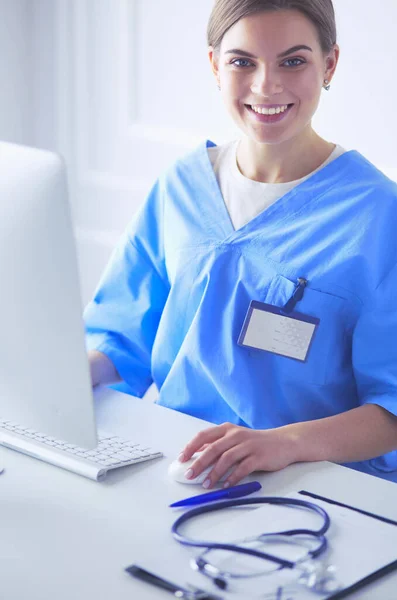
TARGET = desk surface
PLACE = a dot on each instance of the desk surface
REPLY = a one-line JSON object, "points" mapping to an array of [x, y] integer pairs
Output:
{"points": [[65, 537]]}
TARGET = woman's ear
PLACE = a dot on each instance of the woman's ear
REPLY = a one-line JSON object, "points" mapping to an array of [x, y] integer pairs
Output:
{"points": [[331, 62], [214, 60]]}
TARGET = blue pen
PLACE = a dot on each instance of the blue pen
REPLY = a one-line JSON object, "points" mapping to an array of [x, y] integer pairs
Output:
{"points": [[233, 492]]}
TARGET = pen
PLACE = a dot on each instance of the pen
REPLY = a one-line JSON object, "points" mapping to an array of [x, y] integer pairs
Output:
{"points": [[233, 492]]}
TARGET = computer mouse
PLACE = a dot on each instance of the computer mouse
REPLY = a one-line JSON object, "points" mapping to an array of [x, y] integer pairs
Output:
{"points": [[177, 471]]}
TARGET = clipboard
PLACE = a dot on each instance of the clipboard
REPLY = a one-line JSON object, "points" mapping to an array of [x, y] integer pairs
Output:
{"points": [[375, 575], [361, 545]]}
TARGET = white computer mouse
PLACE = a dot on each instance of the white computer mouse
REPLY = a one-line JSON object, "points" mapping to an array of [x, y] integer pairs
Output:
{"points": [[177, 471]]}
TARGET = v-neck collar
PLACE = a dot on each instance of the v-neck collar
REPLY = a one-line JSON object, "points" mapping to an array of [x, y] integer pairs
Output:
{"points": [[285, 207]]}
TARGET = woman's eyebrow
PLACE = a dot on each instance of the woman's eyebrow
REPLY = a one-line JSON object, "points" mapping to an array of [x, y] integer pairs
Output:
{"points": [[281, 55], [294, 49]]}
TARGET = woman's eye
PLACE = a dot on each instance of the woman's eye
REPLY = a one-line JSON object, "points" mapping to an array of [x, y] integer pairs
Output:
{"points": [[241, 62], [294, 62]]}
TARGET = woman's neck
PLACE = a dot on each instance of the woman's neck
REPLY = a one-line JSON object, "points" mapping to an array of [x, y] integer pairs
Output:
{"points": [[280, 163]]}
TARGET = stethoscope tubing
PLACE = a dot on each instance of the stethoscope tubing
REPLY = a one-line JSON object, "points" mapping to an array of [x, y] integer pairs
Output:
{"points": [[201, 510]]}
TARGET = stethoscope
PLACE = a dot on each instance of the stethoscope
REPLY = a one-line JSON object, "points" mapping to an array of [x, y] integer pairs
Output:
{"points": [[315, 579]]}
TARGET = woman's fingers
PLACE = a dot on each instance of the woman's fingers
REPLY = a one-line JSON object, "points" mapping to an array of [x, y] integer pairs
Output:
{"points": [[203, 439], [243, 469], [228, 461], [222, 454], [210, 458]]}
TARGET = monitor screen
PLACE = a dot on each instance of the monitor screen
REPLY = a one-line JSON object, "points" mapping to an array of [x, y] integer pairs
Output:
{"points": [[44, 372]]}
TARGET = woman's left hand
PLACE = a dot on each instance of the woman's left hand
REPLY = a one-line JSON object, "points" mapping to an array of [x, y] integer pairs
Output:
{"points": [[244, 450]]}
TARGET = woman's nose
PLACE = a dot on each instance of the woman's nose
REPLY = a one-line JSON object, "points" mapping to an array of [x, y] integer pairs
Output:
{"points": [[266, 83]]}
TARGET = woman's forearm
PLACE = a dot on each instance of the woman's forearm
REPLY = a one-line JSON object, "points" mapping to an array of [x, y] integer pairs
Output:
{"points": [[102, 369], [358, 434]]}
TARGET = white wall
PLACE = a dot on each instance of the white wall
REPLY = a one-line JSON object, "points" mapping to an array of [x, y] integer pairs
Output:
{"points": [[123, 87], [16, 114], [360, 112]]}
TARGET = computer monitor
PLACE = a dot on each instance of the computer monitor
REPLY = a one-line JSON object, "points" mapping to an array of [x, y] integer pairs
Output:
{"points": [[44, 373]]}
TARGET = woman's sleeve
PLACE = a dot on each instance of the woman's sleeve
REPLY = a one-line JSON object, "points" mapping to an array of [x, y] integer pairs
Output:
{"points": [[375, 355], [123, 317], [375, 347]]}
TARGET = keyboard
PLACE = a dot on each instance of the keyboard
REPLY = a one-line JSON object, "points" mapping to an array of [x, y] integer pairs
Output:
{"points": [[112, 451]]}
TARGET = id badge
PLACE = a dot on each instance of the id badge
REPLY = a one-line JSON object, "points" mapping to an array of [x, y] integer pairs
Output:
{"points": [[267, 328]]}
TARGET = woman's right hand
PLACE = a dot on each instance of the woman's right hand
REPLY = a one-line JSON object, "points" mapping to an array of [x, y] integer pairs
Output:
{"points": [[102, 369]]}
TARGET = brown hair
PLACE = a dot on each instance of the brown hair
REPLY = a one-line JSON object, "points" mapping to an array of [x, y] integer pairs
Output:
{"points": [[226, 13]]}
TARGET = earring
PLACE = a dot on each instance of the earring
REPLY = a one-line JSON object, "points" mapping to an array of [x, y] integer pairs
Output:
{"points": [[327, 85]]}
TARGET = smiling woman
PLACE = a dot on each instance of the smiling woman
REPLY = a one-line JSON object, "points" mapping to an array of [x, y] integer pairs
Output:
{"points": [[260, 275]]}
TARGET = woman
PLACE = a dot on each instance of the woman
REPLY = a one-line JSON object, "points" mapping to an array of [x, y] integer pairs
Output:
{"points": [[281, 217]]}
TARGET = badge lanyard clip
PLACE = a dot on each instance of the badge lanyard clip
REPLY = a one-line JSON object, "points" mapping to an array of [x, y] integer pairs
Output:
{"points": [[296, 296]]}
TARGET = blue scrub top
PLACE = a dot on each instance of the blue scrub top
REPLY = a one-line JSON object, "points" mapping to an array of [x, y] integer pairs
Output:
{"points": [[172, 301]]}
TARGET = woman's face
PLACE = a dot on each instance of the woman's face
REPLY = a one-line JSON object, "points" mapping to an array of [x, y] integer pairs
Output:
{"points": [[263, 66]]}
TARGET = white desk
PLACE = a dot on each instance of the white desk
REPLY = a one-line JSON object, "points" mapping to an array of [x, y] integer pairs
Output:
{"points": [[64, 537]]}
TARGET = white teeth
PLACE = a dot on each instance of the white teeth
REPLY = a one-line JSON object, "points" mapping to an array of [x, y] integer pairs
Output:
{"points": [[270, 111]]}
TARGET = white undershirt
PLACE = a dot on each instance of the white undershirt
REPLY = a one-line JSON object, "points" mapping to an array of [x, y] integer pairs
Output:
{"points": [[246, 198]]}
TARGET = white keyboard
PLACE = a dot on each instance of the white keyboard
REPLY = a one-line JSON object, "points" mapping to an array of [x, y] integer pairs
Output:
{"points": [[112, 451]]}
